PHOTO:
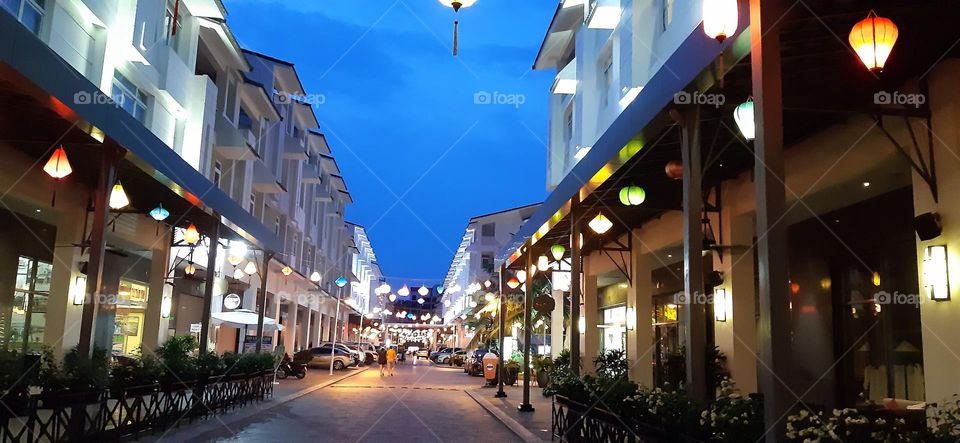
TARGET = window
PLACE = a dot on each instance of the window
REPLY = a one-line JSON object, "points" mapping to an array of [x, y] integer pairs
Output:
{"points": [[316, 213], [252, 203], [606, 80], [244, 121], [28, 312], [217, 172], [667, 13], [171, 39], [28, 12], [129, 97], [276, 227], [303, 195], [488, 230], [295, 249], [486, 262]]}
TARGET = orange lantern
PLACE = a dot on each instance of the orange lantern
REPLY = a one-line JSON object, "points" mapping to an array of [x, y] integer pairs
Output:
{"points": [[873, 39], [674, 169], [58, 166], [513, 283], [191, 235]]}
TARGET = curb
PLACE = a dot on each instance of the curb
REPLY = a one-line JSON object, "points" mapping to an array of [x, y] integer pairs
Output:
{"points": [[509, 422], [215, 423]]}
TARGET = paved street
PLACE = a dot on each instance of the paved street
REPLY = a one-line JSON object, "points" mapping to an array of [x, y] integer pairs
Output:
{"points": [[419, 403]]}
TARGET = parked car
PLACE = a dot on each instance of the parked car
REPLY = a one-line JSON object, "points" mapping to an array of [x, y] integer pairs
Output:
{"points": [[368, 351], [423, 353], [447, 359], [355, 354], [436, 354], [443, 357], [321, 358]]}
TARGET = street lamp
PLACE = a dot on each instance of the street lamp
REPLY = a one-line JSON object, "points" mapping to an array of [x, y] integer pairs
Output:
{"points": [[341, 282]]}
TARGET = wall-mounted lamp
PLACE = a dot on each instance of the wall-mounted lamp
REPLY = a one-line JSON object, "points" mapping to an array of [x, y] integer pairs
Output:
{"points": [[720, 304], [631, 318], [936, 277], [79, 290]]}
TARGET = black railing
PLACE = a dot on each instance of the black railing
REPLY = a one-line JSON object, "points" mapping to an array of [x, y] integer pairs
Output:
{"points": [[111, 415], [576, 422]]}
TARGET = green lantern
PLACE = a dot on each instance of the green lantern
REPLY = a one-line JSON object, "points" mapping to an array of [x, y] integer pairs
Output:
{"points": [[557, 252], [632, 195]]}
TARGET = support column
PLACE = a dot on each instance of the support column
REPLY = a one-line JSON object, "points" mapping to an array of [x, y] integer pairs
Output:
{"points": [[576, 290], [262, 295], [97, 246], [773, 343], [693, 305], [63, 317], [525, 406], [209, 281], [159, 260], [640, 313], [290, 327], [501, 319], [737, 337], [591, 314], [556, 325]]}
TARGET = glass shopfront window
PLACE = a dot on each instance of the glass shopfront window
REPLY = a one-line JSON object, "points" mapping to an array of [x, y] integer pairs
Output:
{"points": [[613, 331], [27, 318], [131, 308]]}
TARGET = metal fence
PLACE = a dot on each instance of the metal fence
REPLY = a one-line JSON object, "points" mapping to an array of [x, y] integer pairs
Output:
{"points": [[111, 415], [576, 422]]}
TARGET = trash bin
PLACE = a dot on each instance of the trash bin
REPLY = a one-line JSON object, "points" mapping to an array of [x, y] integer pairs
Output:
{"points": [[490, 364]]}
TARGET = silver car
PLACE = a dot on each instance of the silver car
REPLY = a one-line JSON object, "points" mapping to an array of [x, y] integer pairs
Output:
{"points": [[321, 358]]}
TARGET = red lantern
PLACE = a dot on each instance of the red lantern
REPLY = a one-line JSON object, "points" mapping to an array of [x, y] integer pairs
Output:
{"points": [[873, 39], [191, 235], [674, 169], [58, 166], [513, 283]]}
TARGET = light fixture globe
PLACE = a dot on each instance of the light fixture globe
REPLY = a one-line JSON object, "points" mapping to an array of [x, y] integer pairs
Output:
{"points": [[423, 291], [392, 297], [720, 18], [341, 282], [873, 38], [600, 224], [251, 268], [238, 273], [513, 283], [557, 251], [286, 270], [159, 213], [543, 263], [191, 235], [404, 291], [118, 198], [632, 195], [58, 166], [190, 269], [743, 115], [421, 300], [315, 277]]}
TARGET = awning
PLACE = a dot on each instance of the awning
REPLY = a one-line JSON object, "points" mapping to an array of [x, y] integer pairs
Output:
{"points": [[40, 73], [243, 317]]}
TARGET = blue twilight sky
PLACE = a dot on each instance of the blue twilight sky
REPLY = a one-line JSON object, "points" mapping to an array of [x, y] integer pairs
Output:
{"points": [[419, 156]]}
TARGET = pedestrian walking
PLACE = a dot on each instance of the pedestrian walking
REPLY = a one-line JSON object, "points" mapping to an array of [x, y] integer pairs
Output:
{"points": [[382, 360], [391, 359]]}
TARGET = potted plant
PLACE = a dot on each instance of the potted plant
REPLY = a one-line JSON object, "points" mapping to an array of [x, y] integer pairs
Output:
{"points": [[512, 368], [542, 366]]}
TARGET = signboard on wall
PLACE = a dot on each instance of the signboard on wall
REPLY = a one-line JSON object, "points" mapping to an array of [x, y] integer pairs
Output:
{"points": [[250, 343]]}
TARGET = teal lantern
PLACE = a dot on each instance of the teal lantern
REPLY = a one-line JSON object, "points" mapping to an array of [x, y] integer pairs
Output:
{"points": [[159, 213], [632, 195], [341, 282]]}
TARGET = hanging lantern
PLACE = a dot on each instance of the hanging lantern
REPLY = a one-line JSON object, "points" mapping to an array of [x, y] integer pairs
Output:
{"points": [[487, 284], [440, 289], [315, 277], [191, 236], [513, 283], [251, 268], [632, 195], [421, 300], [341, 282], [446, 303], [392, 297], [720, 18], [159, 213], [404, 291], [744, 117], [600, 224], [543, 263], [522, 276], [286, 270], [234, 259], [674, 169], [873, 39], [58, 166], [423, 291], [238, 273], [118, 198], [456, 5], [190, 269], [557, 252]]}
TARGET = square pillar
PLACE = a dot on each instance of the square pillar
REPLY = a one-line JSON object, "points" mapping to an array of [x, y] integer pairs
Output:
{"points": [[557, 330], [640, 346], [159, 259], [63, 317], [590, 338], [290, 326]]}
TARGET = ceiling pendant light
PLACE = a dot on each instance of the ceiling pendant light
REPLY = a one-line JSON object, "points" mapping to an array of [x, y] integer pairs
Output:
{"points": [[423, 291], [543, 263], [600, 224], [315, 277], [191, 235], [392, 297], [58, 166], [286, 270], [720, 18], [159, 213], [557, 252], [238, 274], [404, 291], [190, 269], [513, 283], [421, 300], [251, 268], [873, 39], [632, 195], [522, 276], [743, 115], [234, 259], [118, 198]]}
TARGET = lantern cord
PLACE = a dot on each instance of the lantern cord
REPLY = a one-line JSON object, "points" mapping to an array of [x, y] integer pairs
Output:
{"points": [[456, 24], [721, 69], [53, 200]]}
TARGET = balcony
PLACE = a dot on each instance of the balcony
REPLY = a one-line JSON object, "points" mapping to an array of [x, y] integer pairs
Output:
{"points": [[309, 174], [294, 148], [264, 180], [566, 81], [233, 143]]}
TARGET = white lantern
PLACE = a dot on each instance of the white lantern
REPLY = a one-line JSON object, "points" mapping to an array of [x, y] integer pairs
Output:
{"points": [[744, 117]]}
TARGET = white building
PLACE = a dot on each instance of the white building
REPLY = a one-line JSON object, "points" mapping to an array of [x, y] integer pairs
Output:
{"points": [[366, 272]]}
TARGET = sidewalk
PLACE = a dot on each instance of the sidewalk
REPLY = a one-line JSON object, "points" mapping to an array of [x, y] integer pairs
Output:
{"points": [[285, 391], [530, 426]]}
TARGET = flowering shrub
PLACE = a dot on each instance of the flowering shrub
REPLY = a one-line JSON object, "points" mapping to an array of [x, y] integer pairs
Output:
{"points": [[844, 425], [672, 410], [733, 417]]}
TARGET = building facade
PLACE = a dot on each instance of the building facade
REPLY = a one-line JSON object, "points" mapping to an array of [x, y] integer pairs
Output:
{"points": [[222, 164]]}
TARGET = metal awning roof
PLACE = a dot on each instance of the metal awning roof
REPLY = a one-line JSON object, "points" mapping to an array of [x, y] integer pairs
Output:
{"points": [[34, 76]]}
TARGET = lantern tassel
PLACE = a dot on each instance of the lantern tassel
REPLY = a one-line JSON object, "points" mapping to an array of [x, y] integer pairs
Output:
{"points": [[721, 69], [456, 25], [53, 200]]}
